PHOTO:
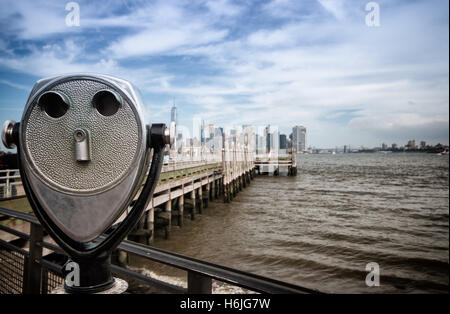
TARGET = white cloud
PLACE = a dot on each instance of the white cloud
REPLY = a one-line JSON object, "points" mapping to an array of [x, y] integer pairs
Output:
{"points": [[335, 7], [296, 72], [15, 85], [164, 40], [223, 8]]}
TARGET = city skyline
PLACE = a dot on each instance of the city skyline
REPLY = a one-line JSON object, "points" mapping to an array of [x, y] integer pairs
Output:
{"points": [[316, 63]]}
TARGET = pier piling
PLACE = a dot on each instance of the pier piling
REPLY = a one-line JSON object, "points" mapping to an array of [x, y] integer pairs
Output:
{"points": [[180, 210]]}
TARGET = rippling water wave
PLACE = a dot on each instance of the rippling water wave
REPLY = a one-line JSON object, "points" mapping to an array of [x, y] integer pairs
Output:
{"points": [[321, 228]]}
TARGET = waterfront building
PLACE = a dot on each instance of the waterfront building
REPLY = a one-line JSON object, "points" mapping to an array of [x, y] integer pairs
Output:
{"points": [[283, 144], [411, 144], [299, 138], [267, 136], [423, 145], [218, 132], [202, 132], [211, 130]]}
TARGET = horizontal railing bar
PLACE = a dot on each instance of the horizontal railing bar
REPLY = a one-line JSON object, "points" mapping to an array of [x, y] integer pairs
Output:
{"points": [[218, 272], [15, 232], [13, 247], [147, 280], [16, 176], [214, 271], [19, 215], [122, 271], [51, 247], [12, 197], [50, 265]]}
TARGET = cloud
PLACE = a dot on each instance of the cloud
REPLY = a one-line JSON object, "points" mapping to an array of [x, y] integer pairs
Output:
{"points": [[164, 40], [283, 62], [223, 8], [335, 7], [15, 85]]}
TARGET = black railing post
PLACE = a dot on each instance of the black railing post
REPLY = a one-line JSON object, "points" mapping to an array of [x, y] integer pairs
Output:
{"points": [[33, 267], [198, 283], [44, 280]]}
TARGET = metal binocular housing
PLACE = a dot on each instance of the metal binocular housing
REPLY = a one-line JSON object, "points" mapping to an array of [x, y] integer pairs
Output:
{"points": [[84, 151]]}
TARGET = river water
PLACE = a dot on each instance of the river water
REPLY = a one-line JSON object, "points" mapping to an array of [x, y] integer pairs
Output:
{"points": [[321, 228]]}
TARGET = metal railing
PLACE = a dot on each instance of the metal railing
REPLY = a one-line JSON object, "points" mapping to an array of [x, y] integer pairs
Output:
{"points": [[27, 271], [180, 165], [10, 184]]}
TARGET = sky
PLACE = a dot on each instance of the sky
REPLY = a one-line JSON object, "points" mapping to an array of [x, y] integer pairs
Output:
{"points": [[315, 63]]}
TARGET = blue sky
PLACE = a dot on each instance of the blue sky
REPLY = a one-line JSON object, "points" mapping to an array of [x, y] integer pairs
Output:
{"points": [[315, 63]]}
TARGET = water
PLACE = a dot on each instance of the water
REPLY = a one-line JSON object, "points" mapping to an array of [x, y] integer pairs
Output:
{"points": [[321, 228]]}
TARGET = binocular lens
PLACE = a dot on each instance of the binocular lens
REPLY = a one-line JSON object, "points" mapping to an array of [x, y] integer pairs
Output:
{"points": [[106, 102], [54, 104]]}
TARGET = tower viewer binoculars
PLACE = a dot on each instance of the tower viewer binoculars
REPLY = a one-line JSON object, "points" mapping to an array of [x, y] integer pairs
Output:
{"points": [[84, 151]]}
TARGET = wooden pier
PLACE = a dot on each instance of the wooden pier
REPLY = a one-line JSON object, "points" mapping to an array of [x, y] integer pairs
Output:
{"points": [[276, 165], [186, 186], [186, 191]]}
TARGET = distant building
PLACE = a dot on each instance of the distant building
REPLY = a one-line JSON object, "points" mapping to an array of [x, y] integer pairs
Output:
{"points": [[173, 118], [202, 132], [218, 132], [423, 145], [173, 114], [211, 131], [288, 143], [345, 149], [268, 136], [384, 146], [283, 141], [299, 138], [394, 146], [411, 144]]}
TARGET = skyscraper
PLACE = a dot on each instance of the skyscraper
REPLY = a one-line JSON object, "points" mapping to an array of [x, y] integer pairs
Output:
{"points": [[283, 141], [268, 138], [202, 132], [299, 138], [173, 114], [211, 130], [173, 119]]}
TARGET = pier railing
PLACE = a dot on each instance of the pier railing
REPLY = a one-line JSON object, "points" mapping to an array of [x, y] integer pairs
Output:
{"points": [[24, 268], [10, 184]]}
